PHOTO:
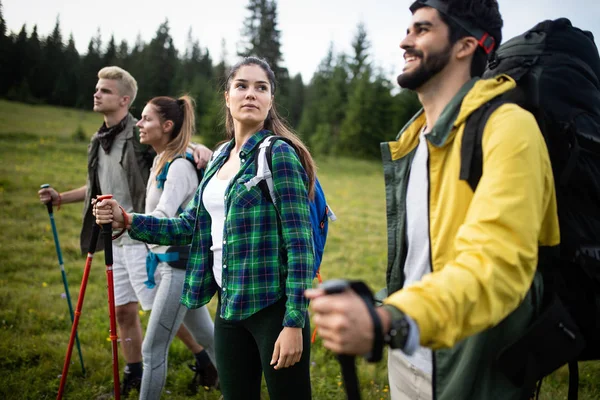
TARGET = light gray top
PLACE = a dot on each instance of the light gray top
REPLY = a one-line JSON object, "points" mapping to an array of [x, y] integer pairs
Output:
{"points": [[178, 191], [113, 179]]}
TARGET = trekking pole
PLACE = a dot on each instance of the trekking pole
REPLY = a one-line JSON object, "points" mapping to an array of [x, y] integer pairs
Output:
{"points": [[86, 274], [62, 271], [108, 258], [347, 363]]}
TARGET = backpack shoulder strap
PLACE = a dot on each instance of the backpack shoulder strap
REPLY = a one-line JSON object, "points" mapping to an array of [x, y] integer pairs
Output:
{"points": [[216, 154], [264, 164], [162, 177], [263, 160], [199, 172], [471, 151], [268, 155]]}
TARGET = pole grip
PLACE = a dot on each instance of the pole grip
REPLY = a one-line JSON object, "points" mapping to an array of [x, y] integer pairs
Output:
{"points": [[94, 239], [48, 204], [107, 233]]}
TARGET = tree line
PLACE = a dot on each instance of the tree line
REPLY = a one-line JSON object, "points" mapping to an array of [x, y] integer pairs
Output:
{"points": [[347, 108]]}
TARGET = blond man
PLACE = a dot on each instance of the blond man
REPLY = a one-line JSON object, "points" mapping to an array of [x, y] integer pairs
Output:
{"points": [[118, 164]]}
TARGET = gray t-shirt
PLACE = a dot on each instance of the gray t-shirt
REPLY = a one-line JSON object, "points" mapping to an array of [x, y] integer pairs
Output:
{"points": [[113, 180]]}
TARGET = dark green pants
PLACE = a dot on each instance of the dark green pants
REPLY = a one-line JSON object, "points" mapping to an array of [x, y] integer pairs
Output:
{"points": [[244, 350]]}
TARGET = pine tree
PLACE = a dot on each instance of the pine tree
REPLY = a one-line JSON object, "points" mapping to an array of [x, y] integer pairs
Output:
{"points": [[161, 62], [90, 65], [325, 104], [136, 65], [35, 59], [110, 57], [221, 70], [360, 46], [261, 34], [21, 66], [369, 101], [297, 95], [123, 54], [7, 66], [314, 102], [52, 65], [2, 23], [369, 116], [212, 125], [66, 90], [337, 100], [195, 62], [262, 38]]}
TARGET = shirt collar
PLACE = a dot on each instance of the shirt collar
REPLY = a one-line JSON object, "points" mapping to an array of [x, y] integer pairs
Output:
{"points": [[252, 142], [247, 148]]}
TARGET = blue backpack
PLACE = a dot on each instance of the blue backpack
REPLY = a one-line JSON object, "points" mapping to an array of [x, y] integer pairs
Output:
{"points": [[320, 212]]}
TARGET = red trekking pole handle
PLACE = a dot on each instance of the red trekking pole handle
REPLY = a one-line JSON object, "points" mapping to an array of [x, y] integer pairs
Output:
{"points": [[108, 258]]}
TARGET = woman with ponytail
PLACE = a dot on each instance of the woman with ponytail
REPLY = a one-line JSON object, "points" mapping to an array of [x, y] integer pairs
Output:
{"points": [[167, 124], [256, 255]]}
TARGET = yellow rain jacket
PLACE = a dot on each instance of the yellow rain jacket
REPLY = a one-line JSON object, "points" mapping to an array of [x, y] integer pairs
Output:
{"points": [[484, 245]]}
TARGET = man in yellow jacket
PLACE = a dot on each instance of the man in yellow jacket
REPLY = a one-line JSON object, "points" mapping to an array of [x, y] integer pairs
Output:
{"points": [[461, 273]]}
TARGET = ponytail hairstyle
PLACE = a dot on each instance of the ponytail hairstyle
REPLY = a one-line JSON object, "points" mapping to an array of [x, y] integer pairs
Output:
{"points": [[273, 122], [181, 112]]}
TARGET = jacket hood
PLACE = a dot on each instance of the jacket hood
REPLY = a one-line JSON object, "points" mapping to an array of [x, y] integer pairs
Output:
{"points": [[483, 91], [472, 95]]}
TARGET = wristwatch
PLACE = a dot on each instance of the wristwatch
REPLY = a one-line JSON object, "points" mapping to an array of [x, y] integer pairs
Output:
{"points": [[397, 336]]}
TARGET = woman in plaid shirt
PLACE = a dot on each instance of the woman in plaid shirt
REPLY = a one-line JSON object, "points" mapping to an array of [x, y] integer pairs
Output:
{"points": [[255, 255]]}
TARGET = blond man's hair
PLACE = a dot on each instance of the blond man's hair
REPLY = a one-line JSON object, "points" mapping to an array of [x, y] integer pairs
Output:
{"points": [[127, 83]]}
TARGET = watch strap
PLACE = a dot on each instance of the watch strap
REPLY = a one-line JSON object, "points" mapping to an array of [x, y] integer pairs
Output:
{"points": [[398, 334]]}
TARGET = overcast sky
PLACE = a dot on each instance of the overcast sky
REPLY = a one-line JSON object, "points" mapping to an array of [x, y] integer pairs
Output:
{"points": [[307, 26]]}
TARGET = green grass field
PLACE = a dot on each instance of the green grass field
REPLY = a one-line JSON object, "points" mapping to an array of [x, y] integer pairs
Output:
{"points": [[36, 146]]}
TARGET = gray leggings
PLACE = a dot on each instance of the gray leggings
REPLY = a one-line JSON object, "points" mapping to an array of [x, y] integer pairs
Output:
{"points": [[166, 317]]}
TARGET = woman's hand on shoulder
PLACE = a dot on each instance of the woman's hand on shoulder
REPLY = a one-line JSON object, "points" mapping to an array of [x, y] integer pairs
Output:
{"points": [[202, 155]]}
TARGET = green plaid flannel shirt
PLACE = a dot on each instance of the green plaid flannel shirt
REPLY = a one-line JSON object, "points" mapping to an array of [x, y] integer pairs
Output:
{"points": [[264, 258]]}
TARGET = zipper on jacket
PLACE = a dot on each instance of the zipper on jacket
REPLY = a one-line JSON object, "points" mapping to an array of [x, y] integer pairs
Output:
{"points": [[433, 370]]}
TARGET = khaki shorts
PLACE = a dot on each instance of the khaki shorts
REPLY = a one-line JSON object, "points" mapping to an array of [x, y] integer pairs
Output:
{"points": [[129, 275], [407, 382]]}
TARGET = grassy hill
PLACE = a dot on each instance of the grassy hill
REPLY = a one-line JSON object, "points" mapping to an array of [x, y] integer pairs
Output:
{"points": [[36, 146], [46, 120]]}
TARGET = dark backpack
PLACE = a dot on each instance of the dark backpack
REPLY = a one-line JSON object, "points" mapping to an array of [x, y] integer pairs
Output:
{"points": [[557, 70], [320, 213]]}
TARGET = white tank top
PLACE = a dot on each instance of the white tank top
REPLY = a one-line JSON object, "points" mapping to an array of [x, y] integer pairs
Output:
{"points": [[213, 199]]}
